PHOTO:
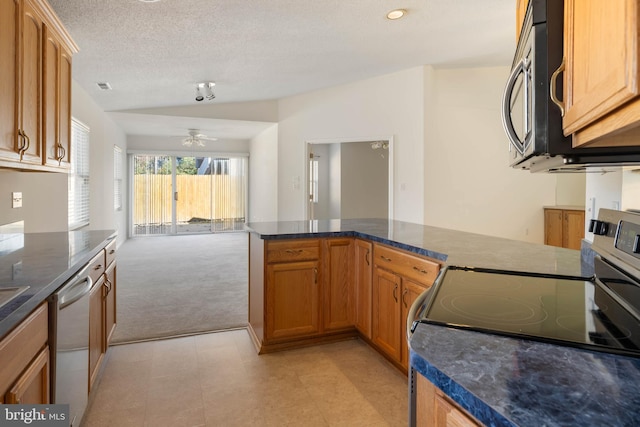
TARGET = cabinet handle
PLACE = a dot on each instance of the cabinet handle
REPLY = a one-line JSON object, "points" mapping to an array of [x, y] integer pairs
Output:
{"points": [[403, 295], [552, 88], [27, 142], [315, 275], [112, 251], [107, 284], [395, 293], [61, 153], [420, 270], [366, 257], [294, 251], [385, 258], [97, 267]]}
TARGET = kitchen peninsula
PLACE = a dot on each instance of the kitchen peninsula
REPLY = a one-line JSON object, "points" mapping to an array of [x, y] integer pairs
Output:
{"points": [[477, 372]]}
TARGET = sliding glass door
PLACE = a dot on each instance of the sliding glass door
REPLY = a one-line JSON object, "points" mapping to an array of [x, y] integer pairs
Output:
{"points": [[173, 194]]}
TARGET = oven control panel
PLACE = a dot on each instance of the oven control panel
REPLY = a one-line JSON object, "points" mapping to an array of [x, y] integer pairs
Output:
{"points": [[628, 238]]}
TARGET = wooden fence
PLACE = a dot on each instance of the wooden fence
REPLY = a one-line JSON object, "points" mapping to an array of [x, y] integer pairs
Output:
{"points": [[201, 198]]}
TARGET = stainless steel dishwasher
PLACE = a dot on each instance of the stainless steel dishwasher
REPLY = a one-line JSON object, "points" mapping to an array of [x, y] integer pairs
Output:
{"points": [[69, 318]]}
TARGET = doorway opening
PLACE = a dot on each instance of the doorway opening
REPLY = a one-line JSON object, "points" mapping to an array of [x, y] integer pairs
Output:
{"points": [[187, 194], [349, 179]]}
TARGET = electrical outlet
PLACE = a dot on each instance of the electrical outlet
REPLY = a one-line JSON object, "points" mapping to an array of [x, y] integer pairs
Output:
{"points": [[16, 199]]}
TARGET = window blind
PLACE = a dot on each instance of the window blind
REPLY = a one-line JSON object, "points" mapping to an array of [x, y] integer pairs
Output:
{"points": [[79, 176]]}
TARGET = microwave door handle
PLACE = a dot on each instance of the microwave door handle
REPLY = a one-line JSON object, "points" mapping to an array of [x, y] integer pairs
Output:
{"points": [[506, 110], [528, 93]]}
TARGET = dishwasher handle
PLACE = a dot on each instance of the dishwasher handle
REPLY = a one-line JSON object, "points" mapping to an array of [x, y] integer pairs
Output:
{"points": [[75, 290]]}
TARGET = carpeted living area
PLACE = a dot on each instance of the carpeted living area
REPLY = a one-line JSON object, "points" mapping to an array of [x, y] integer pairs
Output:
{"points": [[184, 284]]}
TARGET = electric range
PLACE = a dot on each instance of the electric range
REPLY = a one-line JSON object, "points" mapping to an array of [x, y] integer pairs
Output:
{"points": [[600, 312]]}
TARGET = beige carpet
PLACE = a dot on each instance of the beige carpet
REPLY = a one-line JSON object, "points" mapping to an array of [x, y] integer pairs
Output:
{"points": [[174, 285]]}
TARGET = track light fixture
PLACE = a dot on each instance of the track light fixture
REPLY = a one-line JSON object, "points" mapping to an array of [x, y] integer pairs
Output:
{"points": [[205, 89]]}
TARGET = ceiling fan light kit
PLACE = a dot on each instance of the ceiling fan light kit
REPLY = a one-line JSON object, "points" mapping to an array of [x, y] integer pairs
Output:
{"points": [[196, 138], [205, 89]]}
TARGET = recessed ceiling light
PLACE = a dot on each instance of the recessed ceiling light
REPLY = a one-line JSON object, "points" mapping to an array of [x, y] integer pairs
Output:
{"points": [[149, 1], [396, 14]]}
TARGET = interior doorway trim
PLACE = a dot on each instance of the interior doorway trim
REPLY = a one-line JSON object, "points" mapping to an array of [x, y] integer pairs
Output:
{"points": [[307, 153]]}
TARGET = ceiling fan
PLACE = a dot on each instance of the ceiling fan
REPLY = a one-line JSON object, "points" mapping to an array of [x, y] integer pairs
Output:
{"points": [[196, 138]]}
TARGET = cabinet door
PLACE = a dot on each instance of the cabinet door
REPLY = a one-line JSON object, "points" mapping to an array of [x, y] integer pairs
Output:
{"points": [[435, 409], [572, 229], [338, 285], [96, 329], [30, 84], [386, 312], [363, 283], [601, 55], [292, 300], [521, 10], [32, 387], [110, 303], [553, 227], [8, 79], [56, 115], [410, 292]]}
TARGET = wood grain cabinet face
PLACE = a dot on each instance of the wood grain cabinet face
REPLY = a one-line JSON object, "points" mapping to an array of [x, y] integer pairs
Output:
{"points": [[386, 322], [435, 409], [338, 292], [564, 228], [35, 82], [398, 279], [110, 303], [25, 362], [57, 102], [96, 330], [601, 78], [292, 300], [362, 286]]}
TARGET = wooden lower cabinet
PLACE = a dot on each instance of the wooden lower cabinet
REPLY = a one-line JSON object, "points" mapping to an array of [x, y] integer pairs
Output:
{"points": [[435, 409], [96, 330], [32, 387], [362, 287], [337, 296], [110, 303], [292, 300], [410, 292], [386, 312], [564, 227], [25, 361]]}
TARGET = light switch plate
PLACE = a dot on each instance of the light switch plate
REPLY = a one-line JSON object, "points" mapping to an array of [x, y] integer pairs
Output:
{"points": [[16, 199]]}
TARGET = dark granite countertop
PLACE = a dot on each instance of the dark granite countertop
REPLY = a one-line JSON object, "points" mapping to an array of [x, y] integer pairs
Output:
{"points": [[516, 382], [450, 246], [42, 261]]}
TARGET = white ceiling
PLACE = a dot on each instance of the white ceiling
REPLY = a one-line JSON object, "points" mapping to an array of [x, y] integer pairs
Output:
{"points": [[153, 54]]}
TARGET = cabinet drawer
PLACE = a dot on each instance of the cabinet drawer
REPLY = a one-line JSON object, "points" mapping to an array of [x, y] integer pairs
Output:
{"points": [[21, 345], [110, 251], [413, 267], [97, 266], [293, 250]]}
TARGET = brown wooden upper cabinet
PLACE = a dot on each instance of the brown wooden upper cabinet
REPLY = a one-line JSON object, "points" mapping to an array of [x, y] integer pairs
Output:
{"points": [[601, 72], [521, 10], [35, 82]]}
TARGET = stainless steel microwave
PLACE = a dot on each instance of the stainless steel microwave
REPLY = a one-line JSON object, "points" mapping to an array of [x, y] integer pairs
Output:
{"points": [[532, 122]]}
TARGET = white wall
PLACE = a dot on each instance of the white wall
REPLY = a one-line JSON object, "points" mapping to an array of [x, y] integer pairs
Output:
{"points": [[104, 134], [377, 108], [263, 183], [335, 181], [571, 189], [468, 184], [44, 200], [602, 191]]}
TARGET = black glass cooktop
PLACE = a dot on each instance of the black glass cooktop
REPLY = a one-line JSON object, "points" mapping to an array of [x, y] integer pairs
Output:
{"points": [[558, 309]]}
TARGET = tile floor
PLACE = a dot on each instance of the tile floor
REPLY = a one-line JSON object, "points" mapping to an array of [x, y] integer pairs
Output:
{"points": [[218, 379]]}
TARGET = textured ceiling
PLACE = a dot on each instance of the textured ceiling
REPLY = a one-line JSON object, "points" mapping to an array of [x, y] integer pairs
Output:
{"points": [[152, 54]]}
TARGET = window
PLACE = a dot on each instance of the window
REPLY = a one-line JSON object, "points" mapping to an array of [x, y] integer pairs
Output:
{"points": [[79, 176], [313, 181], [117, 178]]}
